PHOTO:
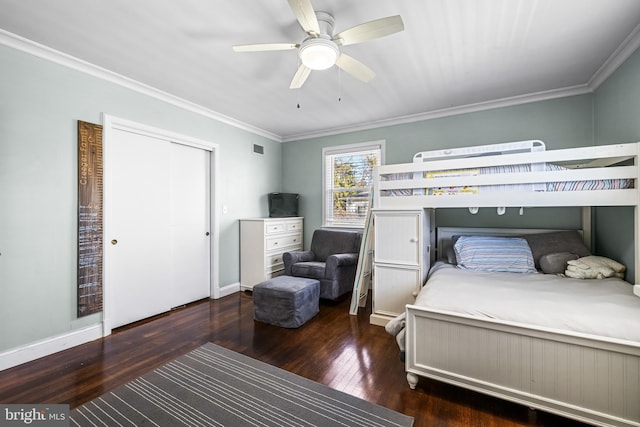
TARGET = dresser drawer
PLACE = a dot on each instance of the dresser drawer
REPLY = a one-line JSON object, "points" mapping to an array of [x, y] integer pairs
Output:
{"points": [[294, 225], [271, 274], [273, 262], [274, 227], [283, 242]]}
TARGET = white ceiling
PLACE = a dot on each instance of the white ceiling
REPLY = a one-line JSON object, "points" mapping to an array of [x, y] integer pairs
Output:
{"points": [[453, 55]]}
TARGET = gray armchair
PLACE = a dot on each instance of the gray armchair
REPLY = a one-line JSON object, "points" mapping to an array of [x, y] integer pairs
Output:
{"points": [[332, 260]]}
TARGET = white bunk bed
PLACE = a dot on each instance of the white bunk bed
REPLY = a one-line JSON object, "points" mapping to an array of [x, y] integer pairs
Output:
{"points": [[579, 375]]}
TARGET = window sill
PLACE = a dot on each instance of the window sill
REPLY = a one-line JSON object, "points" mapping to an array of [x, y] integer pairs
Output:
{"points": [[355, 227]]}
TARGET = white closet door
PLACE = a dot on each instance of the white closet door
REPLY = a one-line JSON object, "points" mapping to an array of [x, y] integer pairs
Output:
{"points": [[138, 245], [189, 226]]}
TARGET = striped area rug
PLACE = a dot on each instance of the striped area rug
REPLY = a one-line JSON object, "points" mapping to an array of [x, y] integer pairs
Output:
{"points": [[213, 386]]}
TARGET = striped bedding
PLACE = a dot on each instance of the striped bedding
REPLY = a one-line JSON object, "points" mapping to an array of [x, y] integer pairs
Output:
{"points": [[588, 185]]}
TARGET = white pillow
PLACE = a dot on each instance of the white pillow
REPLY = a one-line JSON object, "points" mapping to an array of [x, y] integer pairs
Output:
{"points": [[594, 267]]}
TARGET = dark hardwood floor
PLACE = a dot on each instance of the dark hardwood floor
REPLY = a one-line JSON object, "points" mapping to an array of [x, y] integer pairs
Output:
{"points": [[341, 351]]}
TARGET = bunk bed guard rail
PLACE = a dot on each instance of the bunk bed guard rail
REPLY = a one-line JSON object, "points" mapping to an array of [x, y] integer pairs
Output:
{"points": [[587, 176]]}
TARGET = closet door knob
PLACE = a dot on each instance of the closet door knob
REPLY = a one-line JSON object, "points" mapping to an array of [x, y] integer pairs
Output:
{"points": [[114, 242], [413, 240]]}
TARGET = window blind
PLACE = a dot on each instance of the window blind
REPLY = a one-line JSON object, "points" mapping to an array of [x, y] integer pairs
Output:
{"points": [[348, 176]]}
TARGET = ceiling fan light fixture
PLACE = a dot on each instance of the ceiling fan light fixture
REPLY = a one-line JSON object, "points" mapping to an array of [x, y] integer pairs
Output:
{"points": [[318, 53]]}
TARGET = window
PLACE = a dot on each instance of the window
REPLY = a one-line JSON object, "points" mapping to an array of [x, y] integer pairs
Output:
{"points": [[348, 181]]}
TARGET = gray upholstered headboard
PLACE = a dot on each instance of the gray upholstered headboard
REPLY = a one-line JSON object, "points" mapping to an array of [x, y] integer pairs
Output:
{"points": [[445, 234]]}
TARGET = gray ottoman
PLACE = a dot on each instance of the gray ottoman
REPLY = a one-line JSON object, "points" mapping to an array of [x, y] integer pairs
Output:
{"points": [[286, 301]]}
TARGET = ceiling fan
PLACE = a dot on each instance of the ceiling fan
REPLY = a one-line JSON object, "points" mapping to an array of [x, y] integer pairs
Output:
{"points": [[321, 49]]}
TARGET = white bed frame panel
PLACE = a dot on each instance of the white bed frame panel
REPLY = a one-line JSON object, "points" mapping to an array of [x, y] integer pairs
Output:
{"points": [[589, 378], [577, 376]]}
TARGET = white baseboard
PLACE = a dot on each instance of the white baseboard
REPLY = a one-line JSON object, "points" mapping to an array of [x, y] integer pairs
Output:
{"points": [[379, 319], [228, 290], [26, 353]]}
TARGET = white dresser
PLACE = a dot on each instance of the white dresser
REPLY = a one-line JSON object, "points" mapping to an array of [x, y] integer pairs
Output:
{"points": [[262, 243], [401, 260]]}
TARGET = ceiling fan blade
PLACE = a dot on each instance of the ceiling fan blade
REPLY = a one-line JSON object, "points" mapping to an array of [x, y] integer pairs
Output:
{"points": [[370, 30], [306, 16], [356, 68], [264, 47], [300, 77]]}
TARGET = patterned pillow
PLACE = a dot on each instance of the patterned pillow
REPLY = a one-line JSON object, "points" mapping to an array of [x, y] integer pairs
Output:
{"points": [[489, 253]]}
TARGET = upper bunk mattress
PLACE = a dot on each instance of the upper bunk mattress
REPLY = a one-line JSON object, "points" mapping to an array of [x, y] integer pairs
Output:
{"points": [[586, 185], [601, 307]]}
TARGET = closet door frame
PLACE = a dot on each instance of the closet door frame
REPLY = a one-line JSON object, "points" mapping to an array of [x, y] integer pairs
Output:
{"points": [[112, 123]]}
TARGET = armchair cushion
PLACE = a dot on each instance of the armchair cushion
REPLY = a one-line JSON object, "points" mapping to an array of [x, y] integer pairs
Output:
{"points": [[291, 258], [309, 269]]}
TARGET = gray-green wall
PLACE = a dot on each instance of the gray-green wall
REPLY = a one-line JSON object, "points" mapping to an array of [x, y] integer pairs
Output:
{"points": [[40, 104], [611, 114], [617, 119], [560, 123]]}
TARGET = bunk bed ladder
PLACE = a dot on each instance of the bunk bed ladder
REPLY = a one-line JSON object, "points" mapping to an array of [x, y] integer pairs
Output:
{"points": [[363, 270]]}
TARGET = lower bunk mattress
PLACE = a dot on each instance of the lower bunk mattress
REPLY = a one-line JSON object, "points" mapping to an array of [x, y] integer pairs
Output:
{"points": [[600, 307]]}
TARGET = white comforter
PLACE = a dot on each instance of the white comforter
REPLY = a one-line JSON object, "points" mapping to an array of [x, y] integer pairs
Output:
{"points": [[603, 307]]}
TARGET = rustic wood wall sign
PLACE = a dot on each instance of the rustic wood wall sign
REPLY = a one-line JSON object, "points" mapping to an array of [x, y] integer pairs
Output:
{"points": [[90, 245]]}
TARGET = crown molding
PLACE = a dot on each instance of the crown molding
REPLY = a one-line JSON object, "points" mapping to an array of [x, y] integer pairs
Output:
{"points": [[446, 112], [630, 44], [41, 51], [617, 58]]}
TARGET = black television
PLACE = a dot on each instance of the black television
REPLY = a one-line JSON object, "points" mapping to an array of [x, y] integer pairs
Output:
{"points": [[283, 204]]}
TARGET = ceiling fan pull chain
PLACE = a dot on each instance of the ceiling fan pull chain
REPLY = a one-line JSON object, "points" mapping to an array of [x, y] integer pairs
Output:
{"points": [[339, 85], [300, 88]]}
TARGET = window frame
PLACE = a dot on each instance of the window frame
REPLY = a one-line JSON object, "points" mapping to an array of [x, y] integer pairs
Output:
{"points": [[344, 149]]}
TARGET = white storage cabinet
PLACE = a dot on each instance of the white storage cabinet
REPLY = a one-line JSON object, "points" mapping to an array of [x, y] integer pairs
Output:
{"points": [[262, 243], [401, 260]]}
